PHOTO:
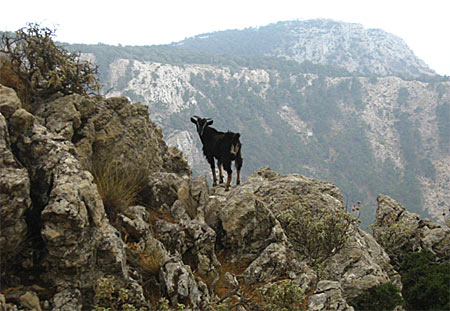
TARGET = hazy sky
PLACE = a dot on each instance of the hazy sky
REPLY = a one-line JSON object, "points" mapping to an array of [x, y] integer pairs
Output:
{"points": [[423, 24]]}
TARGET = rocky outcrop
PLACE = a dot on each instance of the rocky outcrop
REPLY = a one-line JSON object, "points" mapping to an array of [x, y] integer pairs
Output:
{"points": [[54, 227], [328, 296], [249, 224], [401, 232], [15, 198], [111, 130]]}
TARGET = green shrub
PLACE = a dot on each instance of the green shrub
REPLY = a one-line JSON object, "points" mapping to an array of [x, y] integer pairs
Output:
{"points": [[45, 68], [318, 236], [285, 295], [426, 284], [110, 296], [383, 297]]}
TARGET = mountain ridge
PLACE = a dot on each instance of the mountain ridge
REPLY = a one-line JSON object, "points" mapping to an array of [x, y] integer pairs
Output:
{"points": [[321, 41]]}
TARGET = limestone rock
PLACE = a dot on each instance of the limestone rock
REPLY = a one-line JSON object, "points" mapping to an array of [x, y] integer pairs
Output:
{"points": [[361, 265], [247, 222], [276, 260], [6, 306], [328, 296], [67, 300], [9, 102], [400, 231], [15, 199], [66, 211], [180, 285], [31, 301], [112, 129]]}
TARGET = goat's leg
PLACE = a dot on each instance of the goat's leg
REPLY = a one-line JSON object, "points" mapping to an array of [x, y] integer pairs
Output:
{"points": [[213, 170], [238, 177], [227, 167], [229, 178], [214, 177], [238, 164], [219, 164]]}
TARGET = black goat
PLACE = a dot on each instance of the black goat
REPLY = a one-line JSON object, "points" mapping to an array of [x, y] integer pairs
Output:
{"points": [[225, 147]]}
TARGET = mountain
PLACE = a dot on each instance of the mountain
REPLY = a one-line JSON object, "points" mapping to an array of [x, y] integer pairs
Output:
{"points": [[367, 133], [321, 41]]}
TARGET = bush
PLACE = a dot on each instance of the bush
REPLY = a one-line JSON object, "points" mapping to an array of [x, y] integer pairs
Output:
{"points": [[45, 68], [110, 296], [284, 295], [383, 297], [426, 284], [119, 185], [316, 237]]}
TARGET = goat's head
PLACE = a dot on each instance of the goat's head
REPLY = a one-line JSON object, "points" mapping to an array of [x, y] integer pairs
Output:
{"points": [[233, 138], [201, 124]]}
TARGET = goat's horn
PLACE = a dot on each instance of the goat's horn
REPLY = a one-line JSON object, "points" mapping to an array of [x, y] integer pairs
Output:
{"points": [[196, 117]]}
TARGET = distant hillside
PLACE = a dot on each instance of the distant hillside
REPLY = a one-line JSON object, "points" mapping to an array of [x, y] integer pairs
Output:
{"points": [[321, 41]]}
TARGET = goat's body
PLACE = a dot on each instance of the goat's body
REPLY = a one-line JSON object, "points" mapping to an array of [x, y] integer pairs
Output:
{"points": [[225, 147]]}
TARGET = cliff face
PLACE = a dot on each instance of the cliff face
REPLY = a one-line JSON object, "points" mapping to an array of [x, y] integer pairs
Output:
{"points": [[62, 249]]}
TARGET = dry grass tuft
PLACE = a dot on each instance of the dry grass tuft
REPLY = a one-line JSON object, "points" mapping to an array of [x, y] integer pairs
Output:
{"points": [[119, 185]]}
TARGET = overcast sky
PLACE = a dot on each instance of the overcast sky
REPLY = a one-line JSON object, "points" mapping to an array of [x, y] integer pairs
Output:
{"points": [[423, 24]]}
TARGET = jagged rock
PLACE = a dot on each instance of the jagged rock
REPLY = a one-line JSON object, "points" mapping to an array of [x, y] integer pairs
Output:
{"points": [[6, 306], [179, 195], [31, 301], [247, 223], [67, 206], [112, 129], [200, 254], [194, 241], [180, 285], [9, 102], [400, 231], [328, 296], [15, 199], [164, 188], [361, 265], [67, 226], [135, 222], [67, 300], [61, 116], [274, 261], [282, 192]]}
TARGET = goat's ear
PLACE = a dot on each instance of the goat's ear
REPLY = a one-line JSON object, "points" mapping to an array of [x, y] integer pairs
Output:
{"points": [[210, 122], [193, 120], [237, 135]]}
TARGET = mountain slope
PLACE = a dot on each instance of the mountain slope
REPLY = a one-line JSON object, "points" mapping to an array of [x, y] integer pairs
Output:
{"points": [[321, 41]]}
